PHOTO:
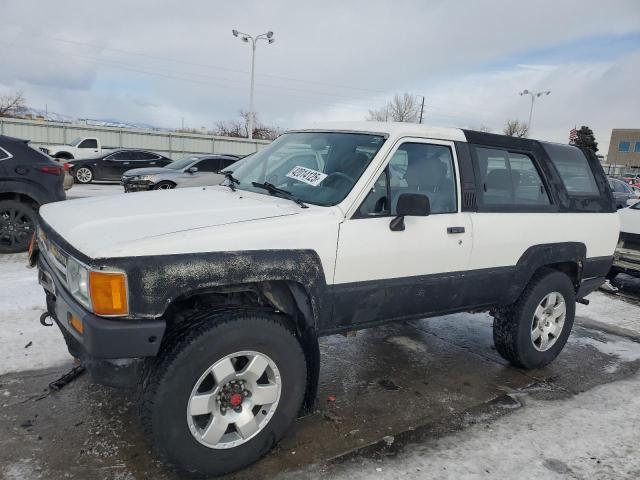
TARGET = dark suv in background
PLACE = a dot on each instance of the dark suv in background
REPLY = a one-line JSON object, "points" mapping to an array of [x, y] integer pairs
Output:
{"points": [[28, 179]]}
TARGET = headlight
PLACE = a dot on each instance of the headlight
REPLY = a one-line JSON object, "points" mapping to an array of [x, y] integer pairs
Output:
{"points": [[146, 178], [78, 282], [104, 293]]}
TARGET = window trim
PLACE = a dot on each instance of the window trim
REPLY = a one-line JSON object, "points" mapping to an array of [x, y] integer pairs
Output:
{"points": [[552, 206], [87, 140], [383, 167], [9, 155]]}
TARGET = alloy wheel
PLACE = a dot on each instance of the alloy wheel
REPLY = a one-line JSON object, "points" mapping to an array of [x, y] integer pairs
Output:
{"points": [[234, 399], [16, 227], [84, 175], [548, 321]]}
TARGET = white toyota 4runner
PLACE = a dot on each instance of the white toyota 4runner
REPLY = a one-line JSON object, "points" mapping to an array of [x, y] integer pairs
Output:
{"points": [[212, 299]]}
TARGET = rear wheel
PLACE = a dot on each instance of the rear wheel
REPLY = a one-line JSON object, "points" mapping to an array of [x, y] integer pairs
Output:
{"points": [[224, 393], [17, 224], [164, 185], [533, 331], [84, 175]]}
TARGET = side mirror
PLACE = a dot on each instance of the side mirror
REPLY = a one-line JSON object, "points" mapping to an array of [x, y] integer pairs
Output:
{"points": [[412, 205], [192, 169]]}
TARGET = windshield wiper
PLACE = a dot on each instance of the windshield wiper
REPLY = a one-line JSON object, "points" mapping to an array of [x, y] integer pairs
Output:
{"points": [[273, 190], [233, 181]]}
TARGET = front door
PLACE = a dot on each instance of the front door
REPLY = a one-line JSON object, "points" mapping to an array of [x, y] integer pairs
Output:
{"points": [[383, 274]]}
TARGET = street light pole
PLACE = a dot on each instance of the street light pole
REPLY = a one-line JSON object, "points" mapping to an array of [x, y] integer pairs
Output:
{"points": [[254, 41], [534, 95]]}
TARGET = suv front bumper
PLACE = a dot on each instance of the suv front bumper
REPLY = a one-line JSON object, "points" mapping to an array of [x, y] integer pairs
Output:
{"points": [[113, 351], [627, 255]]}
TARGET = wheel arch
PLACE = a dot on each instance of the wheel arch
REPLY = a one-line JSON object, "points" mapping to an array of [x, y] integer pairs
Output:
{"points": [[63, 155], [289, 298], [567, 257]]}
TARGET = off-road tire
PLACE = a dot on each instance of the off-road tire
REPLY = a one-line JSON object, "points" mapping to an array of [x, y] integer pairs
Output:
{"points": [[512, 324], [169, 382], [9, 243]]}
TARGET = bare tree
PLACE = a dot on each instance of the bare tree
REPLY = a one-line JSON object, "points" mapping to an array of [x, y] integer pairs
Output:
{"points": [[481, 128], [240, 127], [516, 128], [12, 105], [402, 108]]}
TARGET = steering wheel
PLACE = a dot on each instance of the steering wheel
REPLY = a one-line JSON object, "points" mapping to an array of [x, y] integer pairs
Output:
{"points": [[341, 176]]}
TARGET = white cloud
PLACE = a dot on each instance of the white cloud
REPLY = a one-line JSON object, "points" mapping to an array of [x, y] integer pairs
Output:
{"points": [[71, 55]]}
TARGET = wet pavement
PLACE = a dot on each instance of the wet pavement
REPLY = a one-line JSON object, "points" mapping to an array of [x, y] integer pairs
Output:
{"points": [[388, 386]]}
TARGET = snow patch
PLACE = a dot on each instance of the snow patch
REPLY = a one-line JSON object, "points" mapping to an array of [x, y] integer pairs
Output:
{"points": [[22, 301]]}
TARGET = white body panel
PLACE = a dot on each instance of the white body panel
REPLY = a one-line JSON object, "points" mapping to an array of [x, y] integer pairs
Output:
{"points": [[193, 220], [629, 220], [500, 239]]}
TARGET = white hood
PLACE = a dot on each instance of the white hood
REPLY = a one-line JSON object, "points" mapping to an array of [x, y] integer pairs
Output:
{"points": [[99, 225]]}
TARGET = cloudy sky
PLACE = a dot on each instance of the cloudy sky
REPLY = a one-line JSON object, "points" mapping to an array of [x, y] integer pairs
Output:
{"points": [[159, 61]]}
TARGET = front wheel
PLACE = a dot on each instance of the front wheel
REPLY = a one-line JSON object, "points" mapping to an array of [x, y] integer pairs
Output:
{"points": [[223, 394], [534, 330], [17, 224], [164, 185], [84, 175]]}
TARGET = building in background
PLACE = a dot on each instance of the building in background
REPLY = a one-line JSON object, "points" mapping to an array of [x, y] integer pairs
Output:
{"points": [[624, 151]]}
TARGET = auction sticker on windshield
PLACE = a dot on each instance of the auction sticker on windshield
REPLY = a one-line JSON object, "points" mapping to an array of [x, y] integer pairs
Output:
{"points": [[306, 175]]}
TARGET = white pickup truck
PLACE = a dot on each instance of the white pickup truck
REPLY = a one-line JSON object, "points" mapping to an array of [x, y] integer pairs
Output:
{"points": [[81, 147]]}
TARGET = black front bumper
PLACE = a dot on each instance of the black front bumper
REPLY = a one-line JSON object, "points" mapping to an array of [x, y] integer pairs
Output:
{"points": [[113, 351], [133, 186]]}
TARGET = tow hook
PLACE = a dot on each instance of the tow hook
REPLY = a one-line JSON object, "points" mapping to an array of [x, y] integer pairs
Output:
{"points": [[583, 301], [43, 320]]}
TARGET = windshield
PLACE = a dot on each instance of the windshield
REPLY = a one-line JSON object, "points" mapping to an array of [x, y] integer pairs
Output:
{"points": [[182, 163], [76, 142], [316, 167], [636, 206]]}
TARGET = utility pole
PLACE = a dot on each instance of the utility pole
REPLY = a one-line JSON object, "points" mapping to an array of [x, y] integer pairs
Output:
{"points": [[421, 110], [268, 37], [534, 95]]}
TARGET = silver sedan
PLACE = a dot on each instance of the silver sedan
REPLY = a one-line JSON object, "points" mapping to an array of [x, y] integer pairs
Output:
{"points": [[190, 171]]}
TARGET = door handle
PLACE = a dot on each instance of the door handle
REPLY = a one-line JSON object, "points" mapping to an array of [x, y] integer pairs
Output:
{"points": [[455, 230]]}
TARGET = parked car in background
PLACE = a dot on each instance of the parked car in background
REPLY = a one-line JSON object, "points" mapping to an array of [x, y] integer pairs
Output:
{"points": [[627, 256], [68, 178], [112, 165], [190, 171], [28, 179], [622, 192], [81, 147]]}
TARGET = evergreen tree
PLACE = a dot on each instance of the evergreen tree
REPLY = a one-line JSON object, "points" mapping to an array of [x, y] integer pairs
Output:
{"points": [[586, 139]]}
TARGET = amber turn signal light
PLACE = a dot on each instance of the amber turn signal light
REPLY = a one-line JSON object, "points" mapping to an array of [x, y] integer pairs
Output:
{"points": [[76, 323], [108, 293]]}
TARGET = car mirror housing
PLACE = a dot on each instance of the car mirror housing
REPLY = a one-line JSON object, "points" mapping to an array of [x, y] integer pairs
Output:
{"points": [[192, 169], [412, 205]]}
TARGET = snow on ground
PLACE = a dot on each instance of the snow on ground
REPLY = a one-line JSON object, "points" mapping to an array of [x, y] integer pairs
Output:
{"points": [[93, 190], [611, 311], [591, 435], [24, 343]]}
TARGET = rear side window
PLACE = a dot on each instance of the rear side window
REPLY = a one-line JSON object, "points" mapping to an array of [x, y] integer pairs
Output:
{"points": [[509, 178], [574, 169]]}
